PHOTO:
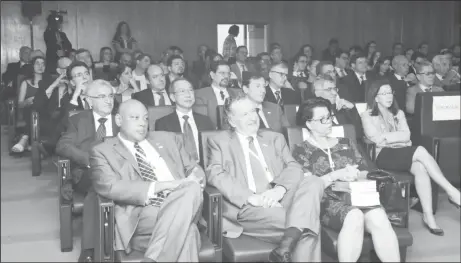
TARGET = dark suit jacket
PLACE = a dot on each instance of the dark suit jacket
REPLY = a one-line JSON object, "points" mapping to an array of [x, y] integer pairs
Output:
{"points": [[350, 116], [13, 70], [80, 136], [147, 97], [275, 117], [411, 96], [115, 175], [400, 88], [171, 123], [349, 87], [289, 96], [207, 97], [227, 170]]}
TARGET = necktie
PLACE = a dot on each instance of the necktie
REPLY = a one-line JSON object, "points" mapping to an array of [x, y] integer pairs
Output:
{"points": [[148, 174], [362, 80], [161, 101], [138, 83], [257, 169], [343, 72], [279, 98], [101, 131], [261, 122], [189, 140], [222, 95]]}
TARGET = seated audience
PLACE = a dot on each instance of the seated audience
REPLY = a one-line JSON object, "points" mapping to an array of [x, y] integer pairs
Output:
{"points": [[270, 114], [106, 65], [445, 77], [265, 193], [424, 48], [397, 49], [307, 50], [27, 92], [276, 55], [382, 68], [370, 48], [176, 66], [127, 85], [299, 75], [426, 77], [142, 62], [355, 49], [211, 57], [409, 54], [329, 54], [158, 196], [218, 92], [264, 65], [156, 94], [277, 90], [72, 54], [184, 120], [198, 69], [352, 86], [374, 60], [416, 59], [85, 56], [122, 41], [385, 124], [241, 64], [126, 59], [79, 75], [337, 159], [456, 55], [13, 70]]}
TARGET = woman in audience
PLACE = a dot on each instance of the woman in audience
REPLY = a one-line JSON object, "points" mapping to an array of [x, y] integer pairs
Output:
{"points": [[307, 50], [385, 124], [374, 60], [370, 48], [123, 41], [337, 159], [382, 68], [409, 53], [142, 62], [106, 64], [126, 84], [26, 96]]}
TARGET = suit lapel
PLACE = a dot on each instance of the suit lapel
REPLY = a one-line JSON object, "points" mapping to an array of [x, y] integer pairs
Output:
{"points": [[264, 144], [268, 114], [91, 128], [175, 123], [162, 151], [236, 148], [115, 128], [150, 96], [270, 95], [125, 153]]}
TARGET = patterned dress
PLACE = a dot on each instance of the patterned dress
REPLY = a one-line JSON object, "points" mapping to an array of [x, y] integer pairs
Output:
{"points": [[333, 208]]}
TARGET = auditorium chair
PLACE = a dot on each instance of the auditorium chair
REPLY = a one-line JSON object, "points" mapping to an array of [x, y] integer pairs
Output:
{"points": [[222, 121], [290, 113], [211, 239], [157, 112], [329, 237]]}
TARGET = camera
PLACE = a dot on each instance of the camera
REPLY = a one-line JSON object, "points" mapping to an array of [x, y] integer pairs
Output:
{"points": [[56, 16]]}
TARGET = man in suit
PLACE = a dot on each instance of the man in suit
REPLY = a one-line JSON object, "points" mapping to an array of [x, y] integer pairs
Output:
{"points": [[184, 120], [156, 93], [80, 77], [176, 65], [276, 54], [265, 193], [270, 114], [329, 54], [445, 77], [352, 86], [241, 64], [397, 49], [84, 55], [398, 81], [276, 92], [416, 58], [426, 77], [219, 91], [341, 62], [13, 70], [84, 130], [155, 185]]}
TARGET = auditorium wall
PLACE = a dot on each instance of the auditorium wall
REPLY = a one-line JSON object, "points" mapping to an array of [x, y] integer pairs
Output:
{"points": [[156, 25]]}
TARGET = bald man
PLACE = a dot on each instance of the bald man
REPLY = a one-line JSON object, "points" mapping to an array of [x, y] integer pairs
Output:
{"points": [[156, 187], [156, 93], [276, 92]]}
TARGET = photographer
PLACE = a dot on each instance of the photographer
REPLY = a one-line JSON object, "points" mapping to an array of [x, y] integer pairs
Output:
{"points": [[57, 43]]}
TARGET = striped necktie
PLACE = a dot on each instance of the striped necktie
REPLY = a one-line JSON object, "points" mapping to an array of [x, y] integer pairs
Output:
{"points": [[148, 174], [101, 132]]}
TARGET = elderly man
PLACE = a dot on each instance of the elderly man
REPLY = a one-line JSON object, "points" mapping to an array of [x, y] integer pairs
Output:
{"points": [[445, 77], [155, 185], [276, 91], [270, 114], [156, 94], [184, 120], [13, 70], [264, 187], [241, 64], [426, 77], [398, 80]]}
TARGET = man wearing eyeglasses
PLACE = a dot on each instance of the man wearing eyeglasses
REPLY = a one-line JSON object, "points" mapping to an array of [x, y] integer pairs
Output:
{"points": [[425, 74], [157, 94], [84, 130], [276, 91], [184, 120], [79, 75]]}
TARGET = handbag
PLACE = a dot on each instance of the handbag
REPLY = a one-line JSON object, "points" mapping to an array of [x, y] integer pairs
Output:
{"points": [[393, 195]]}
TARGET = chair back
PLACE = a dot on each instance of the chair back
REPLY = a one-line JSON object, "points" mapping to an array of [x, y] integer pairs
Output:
{"points": [[290, 113], [223, 124], [203, 145], [157, 112], [436, 114]]}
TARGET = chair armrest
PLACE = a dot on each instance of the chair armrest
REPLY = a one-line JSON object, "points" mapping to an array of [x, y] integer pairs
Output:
{"points": [[370, 148], [11, 122], [105, 230], [65, 179], [65, 205], [212, 213]]}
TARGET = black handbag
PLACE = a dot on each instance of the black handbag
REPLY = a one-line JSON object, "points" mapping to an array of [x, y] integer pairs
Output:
{"points": [[393, 195]]}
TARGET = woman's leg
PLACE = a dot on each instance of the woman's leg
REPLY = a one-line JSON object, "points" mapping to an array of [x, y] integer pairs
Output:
{"points": [[423, 188], [350, 239], [384, 239], [421, 155]]}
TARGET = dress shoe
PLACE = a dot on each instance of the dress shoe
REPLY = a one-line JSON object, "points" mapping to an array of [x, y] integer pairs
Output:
{"points": [[434, 231], [287, 245], [276, 257]]}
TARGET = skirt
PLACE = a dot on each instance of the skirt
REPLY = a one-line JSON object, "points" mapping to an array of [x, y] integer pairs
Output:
{"points": [[396, 159]]}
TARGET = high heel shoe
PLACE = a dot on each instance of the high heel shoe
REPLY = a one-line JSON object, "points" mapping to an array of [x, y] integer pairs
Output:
{"points": [[434, 231], [453, 203]]}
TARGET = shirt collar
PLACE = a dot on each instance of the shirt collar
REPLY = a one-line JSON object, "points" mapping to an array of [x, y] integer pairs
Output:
{"points": [[274, 90], [97, 116], [243, 137], [360, 75], [219, 89], [424, 87], [181, 115], [398, 77], [128, 143]]}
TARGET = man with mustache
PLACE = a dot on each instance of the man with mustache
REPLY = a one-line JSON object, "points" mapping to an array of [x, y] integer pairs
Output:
{"points": [[176, 66]]}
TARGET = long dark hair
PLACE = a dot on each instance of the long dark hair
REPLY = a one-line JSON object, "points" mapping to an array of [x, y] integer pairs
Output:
{"points": [[119, 30], [31, 75], [381, 61], [372, 92]]}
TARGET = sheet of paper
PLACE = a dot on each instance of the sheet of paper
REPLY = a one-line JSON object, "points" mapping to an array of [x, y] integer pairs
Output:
{"points": [[361, 107], [337, 132], [446, 108]]}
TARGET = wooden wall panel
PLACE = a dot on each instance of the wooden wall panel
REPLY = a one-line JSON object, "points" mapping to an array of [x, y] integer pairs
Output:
{"points": [[158, 24]]}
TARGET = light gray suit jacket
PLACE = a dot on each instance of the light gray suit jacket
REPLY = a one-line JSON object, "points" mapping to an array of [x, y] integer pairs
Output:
{"points": [[207, 97], [227, 171], [411, 96], [115, 175]]}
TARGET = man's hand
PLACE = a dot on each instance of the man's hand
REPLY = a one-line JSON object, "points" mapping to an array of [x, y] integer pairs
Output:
{"points": [[193, 177], [275, 193], [29, 101], [258, 200], [342, 103]]}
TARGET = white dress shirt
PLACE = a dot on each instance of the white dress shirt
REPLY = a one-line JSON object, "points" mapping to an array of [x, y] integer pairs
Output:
{"points": [[360, 77], [263, 117], [162, 172], [142, 81], [217, 93], [399, 77], [440, 77], [246, 151], [275, 90], [193, 125], [107, 124], [341, 72], [242, 67], [157, 97]]}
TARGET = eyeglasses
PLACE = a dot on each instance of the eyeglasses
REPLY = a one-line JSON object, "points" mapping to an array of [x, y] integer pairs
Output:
{"points": [[102, 97], [386, 93], [184, 91], [324, 120], [79, 75], [430, 73], [224, 74], [158, 76], [329, 89], [282, 74]]}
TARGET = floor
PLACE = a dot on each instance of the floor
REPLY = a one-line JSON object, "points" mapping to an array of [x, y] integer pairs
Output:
{"points": [[30, 222]]}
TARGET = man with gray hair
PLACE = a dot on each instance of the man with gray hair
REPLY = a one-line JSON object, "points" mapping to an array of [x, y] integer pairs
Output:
{"points": [[266, 195], [276, 91], [445, 77], [13, 70], [398, 80]]}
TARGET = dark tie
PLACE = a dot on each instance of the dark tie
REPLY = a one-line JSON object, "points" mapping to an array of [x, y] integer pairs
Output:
{"points": [[259, 174], [138, 83], [222, 95], [261, 122], [101, 131], [189, 140], [161, 101], [147, 173], [362, 80], [279, 98]]}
